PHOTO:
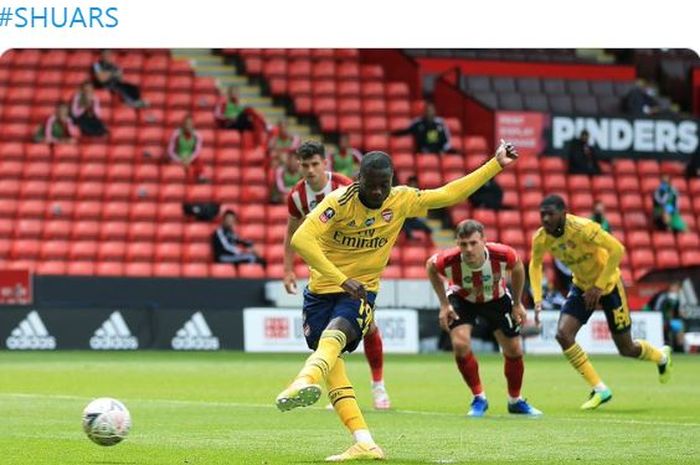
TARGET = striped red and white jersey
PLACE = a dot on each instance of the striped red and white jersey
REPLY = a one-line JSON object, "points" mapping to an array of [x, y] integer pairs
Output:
{"points": [[481, 284], [302, 199]]}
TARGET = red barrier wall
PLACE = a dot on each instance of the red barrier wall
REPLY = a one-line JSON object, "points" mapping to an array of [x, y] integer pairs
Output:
{"points": [[524, 69]]}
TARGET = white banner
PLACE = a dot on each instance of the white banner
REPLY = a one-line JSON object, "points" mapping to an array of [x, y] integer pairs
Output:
{"points": [[267, 329], [594, 337]]}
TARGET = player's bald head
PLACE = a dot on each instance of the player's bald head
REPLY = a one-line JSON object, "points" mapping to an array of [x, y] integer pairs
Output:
{"points": [[376, 161], [376, 175], [553, 201]]}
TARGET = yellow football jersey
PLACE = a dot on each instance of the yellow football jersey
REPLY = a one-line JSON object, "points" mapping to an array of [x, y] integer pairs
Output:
{"points": [[592, 255], [356, 239]]}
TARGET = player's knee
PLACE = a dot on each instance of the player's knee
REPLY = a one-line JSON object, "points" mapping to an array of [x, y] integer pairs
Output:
{"points": [[461, 349], [629, 350], [565, 339], [513, 352]]}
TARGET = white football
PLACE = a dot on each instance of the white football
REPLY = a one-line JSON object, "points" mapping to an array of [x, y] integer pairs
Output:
{"points": [[106, 421]]}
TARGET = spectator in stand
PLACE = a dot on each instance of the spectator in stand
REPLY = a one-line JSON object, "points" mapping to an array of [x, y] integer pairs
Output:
{"points": [[346, 160], [641, 100], [672, 308], [582, 156], [106, 74], [692, 169], [489, 196], [665, 212], [281, 143], [599, 216], [184, 148], [286, 177], [227, 247], [416, 224], [58, 128], [85, 110], [430, 133], [231, 114]]}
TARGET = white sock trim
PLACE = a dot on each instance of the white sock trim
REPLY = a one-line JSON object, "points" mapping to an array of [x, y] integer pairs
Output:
{"points": [[363, 435]]}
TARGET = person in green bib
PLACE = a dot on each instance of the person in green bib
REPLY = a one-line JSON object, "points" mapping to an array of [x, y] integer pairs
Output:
{"points": [[286, 177], [346, 160], [58, 128], [667, 217], [281, 143], [599, 216], [230, 113], [185, 147]]}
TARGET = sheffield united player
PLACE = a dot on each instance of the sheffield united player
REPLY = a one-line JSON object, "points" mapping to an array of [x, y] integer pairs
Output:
{"points": [[476, 271]]}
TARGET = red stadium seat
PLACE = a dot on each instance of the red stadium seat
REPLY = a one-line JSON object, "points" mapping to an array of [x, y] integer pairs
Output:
{"points": [[663, 240], [668, 259], [631, 202], [81, 268], [250, 271], [111, 251], [195, 270], [602, 183], [222, 270], [198, 253], [83, 250], [509, 219], [638, 240], [197, 232], [55, 268], [624, 167], [169, 231], [485, 217], [142, 251], [108, 231], [166, 270], [138, 269], [642, 258], [429, 179], [514, 238], [688, 241], [168, 252], [54, 250], [275, 233]]}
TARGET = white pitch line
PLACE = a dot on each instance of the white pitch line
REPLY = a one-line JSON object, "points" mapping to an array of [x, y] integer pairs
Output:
{"points": [[404, 412]]}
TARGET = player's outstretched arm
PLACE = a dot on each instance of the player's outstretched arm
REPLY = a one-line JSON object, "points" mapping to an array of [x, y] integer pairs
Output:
{"points": [[459, 189]]}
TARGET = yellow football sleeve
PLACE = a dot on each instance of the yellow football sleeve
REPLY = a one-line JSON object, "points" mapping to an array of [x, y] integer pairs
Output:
{"points": [[615, 250], [535, 269], [455, 191], [305, 239]]}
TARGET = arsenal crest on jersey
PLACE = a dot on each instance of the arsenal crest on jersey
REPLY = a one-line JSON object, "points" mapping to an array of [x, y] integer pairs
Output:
{"points": [[387, 215]]}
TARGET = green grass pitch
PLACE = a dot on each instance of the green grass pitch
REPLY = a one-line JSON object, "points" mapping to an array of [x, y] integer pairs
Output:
{"points": [[217, 408]]}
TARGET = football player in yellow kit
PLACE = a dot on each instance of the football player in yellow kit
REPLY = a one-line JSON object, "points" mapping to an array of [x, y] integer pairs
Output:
{"points": [[346, 240], [593, 256]]}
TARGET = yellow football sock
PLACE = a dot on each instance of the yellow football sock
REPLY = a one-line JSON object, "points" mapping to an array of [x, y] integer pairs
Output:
{"points": [[649, 352], [321, 362], [342, 396], [579, 360]]}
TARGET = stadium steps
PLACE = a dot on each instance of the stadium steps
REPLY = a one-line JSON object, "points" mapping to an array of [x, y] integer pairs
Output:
{"points": [[205, 64], [597, 54], [443, 238]]}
